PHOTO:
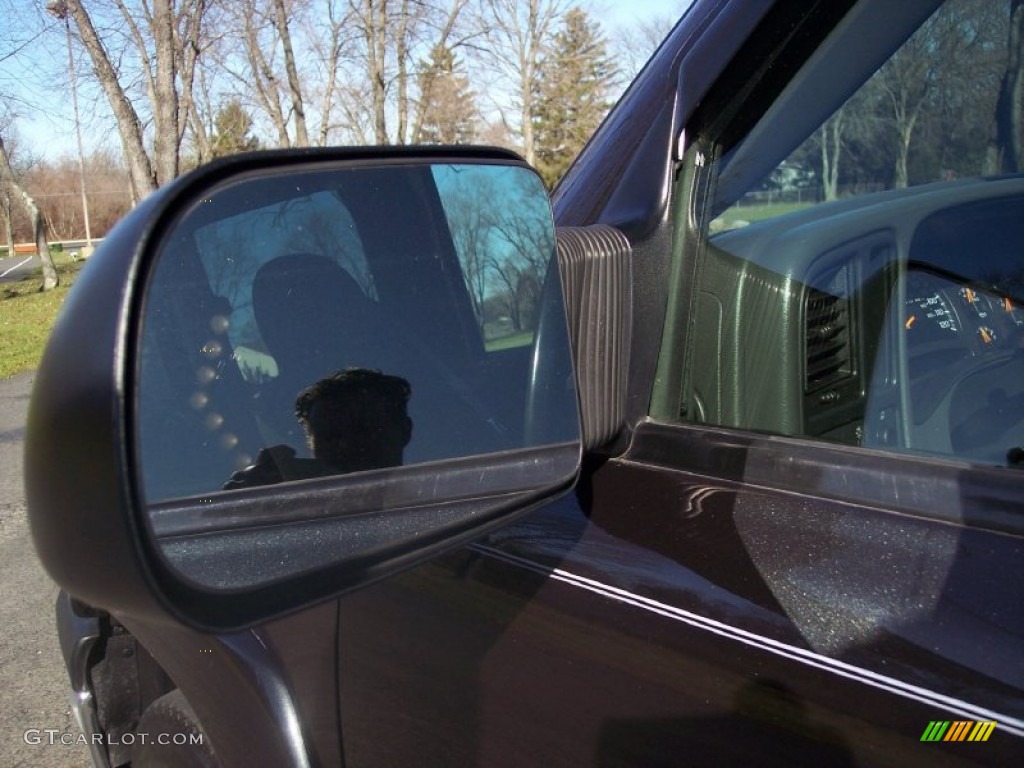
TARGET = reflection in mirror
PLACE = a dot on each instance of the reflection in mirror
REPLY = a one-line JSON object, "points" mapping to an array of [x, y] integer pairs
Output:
{"points": [[347, 322], [354, 420]]}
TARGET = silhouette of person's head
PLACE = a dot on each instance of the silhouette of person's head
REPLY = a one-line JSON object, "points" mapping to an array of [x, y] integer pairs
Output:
{"points": [[310, 311], [356, 419]]}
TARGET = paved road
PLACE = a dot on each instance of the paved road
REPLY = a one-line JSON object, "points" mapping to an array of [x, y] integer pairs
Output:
{"points": [[14, 269], [33, 690]]}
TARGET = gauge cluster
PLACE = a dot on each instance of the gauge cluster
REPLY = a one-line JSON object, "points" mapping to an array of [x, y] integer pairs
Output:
{"points": [[964, 347], [945, 321]]}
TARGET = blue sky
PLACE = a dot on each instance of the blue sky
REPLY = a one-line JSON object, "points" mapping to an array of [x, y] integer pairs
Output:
{"points": [[624, 11], [42, 95]]}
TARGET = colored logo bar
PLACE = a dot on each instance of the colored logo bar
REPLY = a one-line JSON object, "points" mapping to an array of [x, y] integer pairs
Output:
{"points": [[958, 730]]}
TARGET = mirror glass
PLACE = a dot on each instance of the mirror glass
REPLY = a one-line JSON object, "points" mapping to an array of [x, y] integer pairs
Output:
{"points": [[357, 333]]}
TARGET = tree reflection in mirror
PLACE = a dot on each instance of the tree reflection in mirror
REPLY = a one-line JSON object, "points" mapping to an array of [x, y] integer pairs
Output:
{"points": [[323, 322]]}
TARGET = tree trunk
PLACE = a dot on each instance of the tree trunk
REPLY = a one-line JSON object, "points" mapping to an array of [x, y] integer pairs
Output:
{"points": [[902, 179], [263, 77], [294, 85], [188, 45], [165, 105], [526, 110], [376, 43], [905, 116], [5, 205], [129, 127], [537, 31], [401, 56], [199, 127], [1010, 107], [50, 279], [831, 144], [332, 62]]}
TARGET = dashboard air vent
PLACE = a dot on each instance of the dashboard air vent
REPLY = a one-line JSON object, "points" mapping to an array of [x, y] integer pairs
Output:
{"points": [[827, 340]]}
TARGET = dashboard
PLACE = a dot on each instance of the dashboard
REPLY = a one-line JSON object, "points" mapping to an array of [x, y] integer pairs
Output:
{"points": [[893, 320]]}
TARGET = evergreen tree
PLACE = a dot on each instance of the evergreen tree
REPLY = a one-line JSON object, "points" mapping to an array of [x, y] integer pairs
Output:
{"points": [[572, 97], [233, 128], [447, 112]]}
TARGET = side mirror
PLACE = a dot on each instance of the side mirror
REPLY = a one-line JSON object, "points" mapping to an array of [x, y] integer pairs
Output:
{"points": [[291, 373]]}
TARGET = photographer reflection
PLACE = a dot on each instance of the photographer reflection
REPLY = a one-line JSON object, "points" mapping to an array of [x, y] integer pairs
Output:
{"points": [[355, 420]]}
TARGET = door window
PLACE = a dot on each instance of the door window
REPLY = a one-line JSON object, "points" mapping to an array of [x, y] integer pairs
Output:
{"points": [[859, 276]]}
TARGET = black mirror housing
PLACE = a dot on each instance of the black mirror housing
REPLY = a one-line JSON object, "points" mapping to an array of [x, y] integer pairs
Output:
{"points": [[179, 461]]}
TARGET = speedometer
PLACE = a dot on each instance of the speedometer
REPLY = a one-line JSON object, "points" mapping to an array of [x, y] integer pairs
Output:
{"points": [[930, 313], [932, 327]]}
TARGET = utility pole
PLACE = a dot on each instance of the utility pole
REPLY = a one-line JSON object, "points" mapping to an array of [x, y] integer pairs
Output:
{"points": [[59, 9]]}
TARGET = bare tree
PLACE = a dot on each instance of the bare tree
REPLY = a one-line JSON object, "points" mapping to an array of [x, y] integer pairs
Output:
{"points": [[129, 125], [402, 47], [634, 44], [355, 118], [906, 79], [830, 137], [200, 116], [260, 44], [8, 178], [273, 35], [371, 17], [294, 84], [428, 76], [471, 226], [7, 210], [329, 49], [166, 37], [517, 32], [391, 33], [848, 123], [521, 267], [190, 42], [946, 55]]}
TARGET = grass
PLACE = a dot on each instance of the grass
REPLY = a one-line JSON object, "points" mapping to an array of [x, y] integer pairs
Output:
{"points": [[27, 316], [751, 213], [508, 342], [763, 211]]}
